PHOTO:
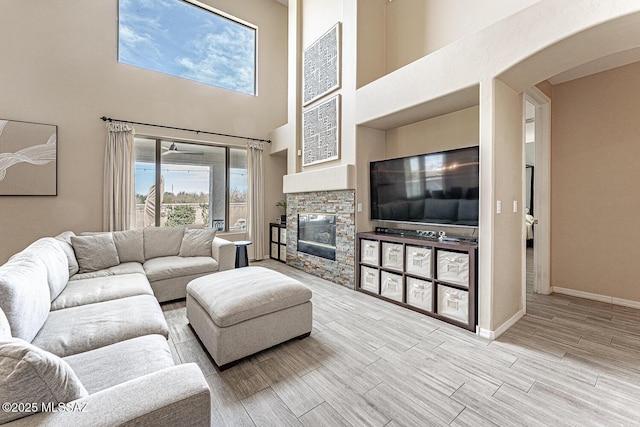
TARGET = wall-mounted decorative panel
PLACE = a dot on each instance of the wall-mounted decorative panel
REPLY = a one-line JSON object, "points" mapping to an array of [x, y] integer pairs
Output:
{"points": [[321, 132], [28, 165], [321, 66]]}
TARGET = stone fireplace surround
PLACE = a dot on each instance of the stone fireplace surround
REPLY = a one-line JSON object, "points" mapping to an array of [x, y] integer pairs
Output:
{"points": [[340, 203]]}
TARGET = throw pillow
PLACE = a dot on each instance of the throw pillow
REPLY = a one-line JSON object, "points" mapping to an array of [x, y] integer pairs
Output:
{"points": [[197, 242], [130, 245], [31, 374], [95, 252], [162, 241]]}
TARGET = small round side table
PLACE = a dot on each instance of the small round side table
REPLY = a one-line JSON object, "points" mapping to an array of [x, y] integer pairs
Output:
{"points": [[242, 259]]}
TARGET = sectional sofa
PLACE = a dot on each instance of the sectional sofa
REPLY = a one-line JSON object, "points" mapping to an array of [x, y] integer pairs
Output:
{"points": [[82, 332]]}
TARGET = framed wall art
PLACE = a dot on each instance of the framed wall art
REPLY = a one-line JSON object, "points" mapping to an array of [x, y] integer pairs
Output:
{"points": [[321, 66], [28, 159], [321, 132]]}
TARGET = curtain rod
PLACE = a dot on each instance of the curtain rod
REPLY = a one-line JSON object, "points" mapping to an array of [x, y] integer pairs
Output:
{"points": [[109, 119]]}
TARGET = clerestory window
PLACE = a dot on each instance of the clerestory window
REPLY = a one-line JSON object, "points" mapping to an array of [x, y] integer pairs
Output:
{"points": [[188, 39]]}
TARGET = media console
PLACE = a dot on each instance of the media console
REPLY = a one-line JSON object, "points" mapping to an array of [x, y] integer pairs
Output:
{"points": [[433, 277], [424, 233]]}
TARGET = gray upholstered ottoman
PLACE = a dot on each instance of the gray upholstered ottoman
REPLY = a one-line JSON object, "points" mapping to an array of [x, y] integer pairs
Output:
{"points": [[236, 313]]}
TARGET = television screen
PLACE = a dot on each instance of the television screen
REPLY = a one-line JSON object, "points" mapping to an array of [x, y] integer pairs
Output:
{"points": [[433, 188]]}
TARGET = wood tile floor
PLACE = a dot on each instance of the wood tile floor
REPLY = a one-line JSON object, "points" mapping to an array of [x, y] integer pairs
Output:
{"points": [[569, 361]]}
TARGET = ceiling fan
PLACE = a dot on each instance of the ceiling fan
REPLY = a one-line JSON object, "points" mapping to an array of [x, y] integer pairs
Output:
{"points": [[173, 149]]}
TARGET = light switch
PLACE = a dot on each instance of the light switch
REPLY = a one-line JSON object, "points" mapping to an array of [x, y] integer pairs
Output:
{"points": [[499, 206], [359, 207], [515, 206]]}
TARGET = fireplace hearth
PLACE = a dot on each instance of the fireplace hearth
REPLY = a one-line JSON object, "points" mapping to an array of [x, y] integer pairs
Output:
{"points": [[317, 234]]}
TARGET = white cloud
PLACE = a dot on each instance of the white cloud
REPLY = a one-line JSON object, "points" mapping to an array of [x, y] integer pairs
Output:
{"points": [[224, 59], [141, 30]]}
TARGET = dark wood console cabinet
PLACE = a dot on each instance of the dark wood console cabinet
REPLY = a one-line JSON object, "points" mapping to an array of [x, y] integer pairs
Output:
{"points": [[434, 278]]}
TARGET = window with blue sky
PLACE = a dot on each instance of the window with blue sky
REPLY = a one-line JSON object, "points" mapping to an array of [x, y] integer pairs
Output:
{"points": [[184, 40]]}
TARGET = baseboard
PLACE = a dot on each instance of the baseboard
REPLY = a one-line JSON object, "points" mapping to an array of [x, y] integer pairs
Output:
{"points": [[597, 297], [492, 335]]}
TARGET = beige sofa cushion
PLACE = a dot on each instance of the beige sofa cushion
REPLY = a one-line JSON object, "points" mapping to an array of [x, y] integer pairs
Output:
{"points": [[65, 243], [5, 328], [95, 252], [130, 245], [234, 296], [117, 363], [170, 267], [197, 242], [124, 268], [24, 296], [162, 241], [99, 289], [101, 324], [48, 251], [30, 374]]}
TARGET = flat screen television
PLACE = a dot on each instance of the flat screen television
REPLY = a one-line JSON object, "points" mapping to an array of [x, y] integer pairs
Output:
{"points": [[432, 188]]}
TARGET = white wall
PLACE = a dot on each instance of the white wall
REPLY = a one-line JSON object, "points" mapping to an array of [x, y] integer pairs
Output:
{"points": [[594, 199], [415, 28], [371, 146], [508, 226], [59, 66], [318, 16], [372, 50], [449, 131]]}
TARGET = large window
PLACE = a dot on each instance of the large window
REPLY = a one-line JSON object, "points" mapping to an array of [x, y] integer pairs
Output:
{"points": [[198, 185], [187, 40]]}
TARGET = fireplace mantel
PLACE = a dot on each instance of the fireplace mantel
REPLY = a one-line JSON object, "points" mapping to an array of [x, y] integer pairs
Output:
{"points": [[334, 178]]}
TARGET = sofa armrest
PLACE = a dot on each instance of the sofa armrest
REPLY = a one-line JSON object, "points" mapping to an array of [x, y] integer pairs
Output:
{"points": [[178, 395], [224, 252]]}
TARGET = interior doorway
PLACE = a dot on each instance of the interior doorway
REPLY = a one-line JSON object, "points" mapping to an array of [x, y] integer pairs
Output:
{"points": [[536, 192], [529, 189]]}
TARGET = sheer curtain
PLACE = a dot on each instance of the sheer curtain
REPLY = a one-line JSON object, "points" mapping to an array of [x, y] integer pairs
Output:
{"points": [[119, 202], [255, 197]]}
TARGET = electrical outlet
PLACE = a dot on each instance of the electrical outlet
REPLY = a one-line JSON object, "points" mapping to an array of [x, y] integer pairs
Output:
{"points": [[499, 206], [359, 207], [515, 206]]}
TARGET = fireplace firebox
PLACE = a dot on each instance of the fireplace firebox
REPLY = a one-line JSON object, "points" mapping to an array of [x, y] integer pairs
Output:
{"points": [[317, 234]]}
